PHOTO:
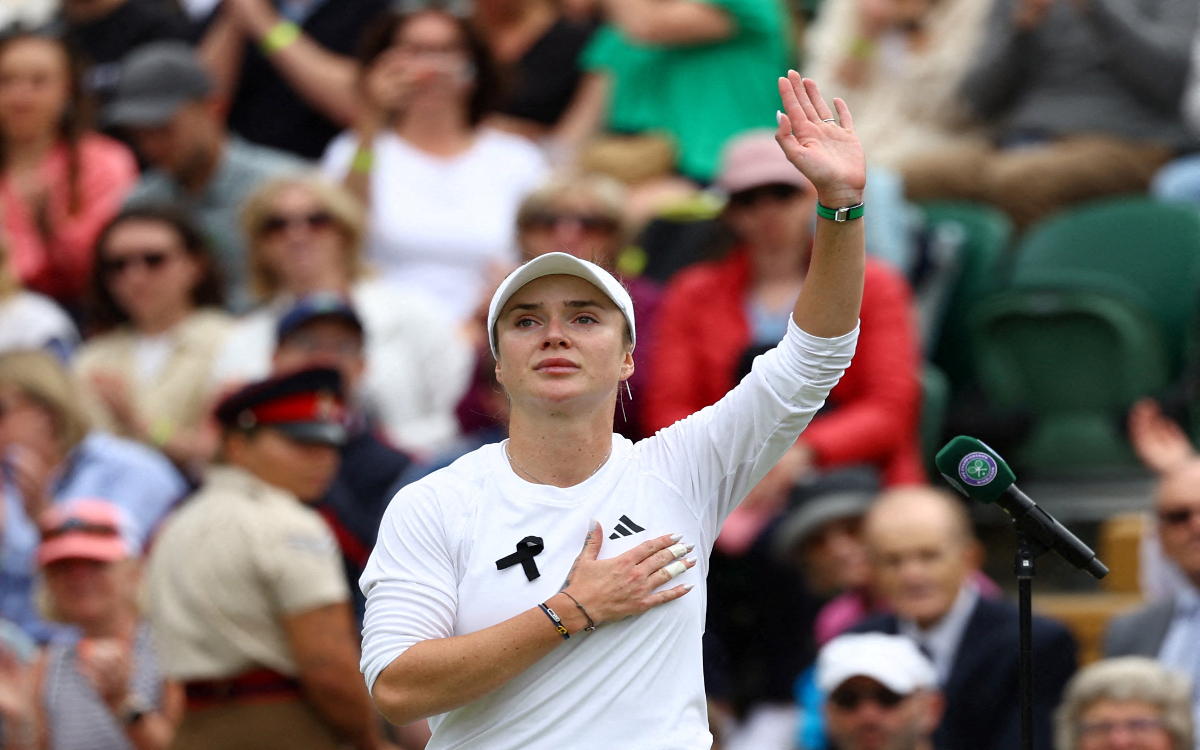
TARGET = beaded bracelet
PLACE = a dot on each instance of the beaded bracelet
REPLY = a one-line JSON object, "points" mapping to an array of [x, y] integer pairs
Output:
{"points": [[554, 618]]}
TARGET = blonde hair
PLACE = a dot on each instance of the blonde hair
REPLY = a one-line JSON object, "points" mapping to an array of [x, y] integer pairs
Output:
{"points": [[346, 210], [1128, 678], [40, 377], [605, 193]]}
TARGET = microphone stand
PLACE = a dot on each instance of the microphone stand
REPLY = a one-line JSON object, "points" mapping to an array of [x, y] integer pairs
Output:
{"points": [[1028, 550]]}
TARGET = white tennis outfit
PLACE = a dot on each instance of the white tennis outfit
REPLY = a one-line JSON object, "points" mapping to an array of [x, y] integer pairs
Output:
{"points": [[635, 684]]}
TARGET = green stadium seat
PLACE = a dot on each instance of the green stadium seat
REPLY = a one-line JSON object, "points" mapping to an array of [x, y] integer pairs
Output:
{"points": [[1135, 248], [989, 233], [1077, 359]]}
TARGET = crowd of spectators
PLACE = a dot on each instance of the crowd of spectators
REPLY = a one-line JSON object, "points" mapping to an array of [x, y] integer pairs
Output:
{"points": [[246, 251]]}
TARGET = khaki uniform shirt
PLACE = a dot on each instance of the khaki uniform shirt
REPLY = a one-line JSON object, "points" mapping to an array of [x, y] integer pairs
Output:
{"points": [[236, 559]]}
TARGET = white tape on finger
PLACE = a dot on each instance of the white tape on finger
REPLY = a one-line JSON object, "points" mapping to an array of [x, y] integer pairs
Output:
{"points": [[675, 568], [678, 550]]}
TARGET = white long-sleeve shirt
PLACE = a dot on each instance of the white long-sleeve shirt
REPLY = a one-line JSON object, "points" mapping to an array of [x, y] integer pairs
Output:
{"points": [[637, 683]]}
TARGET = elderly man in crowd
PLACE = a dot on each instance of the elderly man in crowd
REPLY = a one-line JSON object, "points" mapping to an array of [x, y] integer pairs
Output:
{"points": [[1169, 630], [245, 588], [924, 557], [881, 693]]}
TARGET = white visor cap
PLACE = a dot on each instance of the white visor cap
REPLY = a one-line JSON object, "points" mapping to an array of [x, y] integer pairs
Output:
{"points": [[552, 264], [891, 660]]}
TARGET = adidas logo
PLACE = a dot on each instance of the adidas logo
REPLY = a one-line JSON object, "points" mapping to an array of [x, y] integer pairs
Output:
{"points": [[625, 528]]}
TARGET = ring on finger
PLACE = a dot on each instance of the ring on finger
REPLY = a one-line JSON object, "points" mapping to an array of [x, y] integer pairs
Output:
{"points": [[831, 119]]}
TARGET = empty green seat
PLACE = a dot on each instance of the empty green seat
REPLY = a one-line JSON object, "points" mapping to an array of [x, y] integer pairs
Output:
{"points": [[1133, 248], [1077, 359]]}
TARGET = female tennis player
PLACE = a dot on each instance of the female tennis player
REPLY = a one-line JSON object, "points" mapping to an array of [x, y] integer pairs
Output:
{"points": [[483, 614]]}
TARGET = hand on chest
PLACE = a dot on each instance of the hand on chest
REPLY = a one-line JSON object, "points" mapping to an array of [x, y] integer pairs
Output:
{"points": [[521, 552]]}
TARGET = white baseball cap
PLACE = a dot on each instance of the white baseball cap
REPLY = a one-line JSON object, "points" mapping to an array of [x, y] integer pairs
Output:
{"points": [[552, 264], [891, 660]]}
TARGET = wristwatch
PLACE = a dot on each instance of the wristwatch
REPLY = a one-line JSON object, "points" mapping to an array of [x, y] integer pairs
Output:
{"points": [[845, 213]]}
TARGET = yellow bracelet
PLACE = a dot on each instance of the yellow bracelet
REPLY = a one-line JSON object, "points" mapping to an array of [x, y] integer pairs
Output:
{"points": [[281, 36], [364, 160], [161, 432]]}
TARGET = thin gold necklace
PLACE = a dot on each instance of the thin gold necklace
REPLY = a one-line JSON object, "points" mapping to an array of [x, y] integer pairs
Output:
{"points": [[529, 474]]}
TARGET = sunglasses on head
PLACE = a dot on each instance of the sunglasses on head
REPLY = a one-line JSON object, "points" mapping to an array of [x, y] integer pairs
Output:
{"points": [[1177, 516], [586, 222], [79, 526], [152, 260], [849, 699], [277, 223], [775, 192]]}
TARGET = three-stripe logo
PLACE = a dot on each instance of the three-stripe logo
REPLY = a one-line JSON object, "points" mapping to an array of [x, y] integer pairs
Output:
{"points": [[625, 528]]}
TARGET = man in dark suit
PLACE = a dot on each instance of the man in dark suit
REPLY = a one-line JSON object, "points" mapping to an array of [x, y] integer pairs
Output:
{"points": [[1169, 630], [924, 554]]}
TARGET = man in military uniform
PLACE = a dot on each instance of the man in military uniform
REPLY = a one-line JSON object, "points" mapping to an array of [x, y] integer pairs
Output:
{"points": [[245, 588]]}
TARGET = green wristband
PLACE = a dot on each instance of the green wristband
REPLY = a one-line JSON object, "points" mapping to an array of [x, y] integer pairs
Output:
{"points": [[845, 213], [364, 160], [281, 36]]}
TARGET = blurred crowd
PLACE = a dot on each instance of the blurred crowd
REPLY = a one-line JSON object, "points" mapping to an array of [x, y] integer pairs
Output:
{"points": [[246, 251]]}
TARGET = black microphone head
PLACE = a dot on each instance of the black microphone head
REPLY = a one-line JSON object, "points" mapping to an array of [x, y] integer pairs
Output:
{"points": [[974, 469]]}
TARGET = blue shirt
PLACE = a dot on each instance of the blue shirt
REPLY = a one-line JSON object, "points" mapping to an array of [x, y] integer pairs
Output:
{"points": [[136, 478]]}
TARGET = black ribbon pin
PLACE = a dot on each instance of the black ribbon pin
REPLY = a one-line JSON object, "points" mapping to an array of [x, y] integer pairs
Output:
{"points": [[527, 549]]}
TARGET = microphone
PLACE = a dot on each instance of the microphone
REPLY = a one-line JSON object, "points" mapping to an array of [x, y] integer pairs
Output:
{"points": [[978, 472]]}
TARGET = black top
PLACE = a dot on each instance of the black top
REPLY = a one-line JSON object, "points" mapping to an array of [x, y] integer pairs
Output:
{"points": [[548, 73], [265, 108], [134, 23]]}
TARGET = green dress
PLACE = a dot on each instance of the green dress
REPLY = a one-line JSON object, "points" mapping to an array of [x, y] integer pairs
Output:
{"points": [[701, 94]]}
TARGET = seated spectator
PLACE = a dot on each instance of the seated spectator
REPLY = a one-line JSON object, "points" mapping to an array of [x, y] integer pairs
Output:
{"points": [[923, 557], [899, 65], [158, 299], [882, 693], [29, 320], [60, 183], [52, 454], [1169, 629], [584, 216], [1083, 100], [541, 45], [167, 104], [245, 587], [323, 330], [101, 686], [1128, 703], [653, 57], [305, 236], [292, 57], [712, 314], [107, 30], [443, 192]]}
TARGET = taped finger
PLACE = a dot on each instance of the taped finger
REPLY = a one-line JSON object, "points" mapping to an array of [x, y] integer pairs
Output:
{"points": [[675, 568]]}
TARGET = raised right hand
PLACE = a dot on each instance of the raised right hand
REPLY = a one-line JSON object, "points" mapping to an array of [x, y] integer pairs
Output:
{"points": [[624, 585]]}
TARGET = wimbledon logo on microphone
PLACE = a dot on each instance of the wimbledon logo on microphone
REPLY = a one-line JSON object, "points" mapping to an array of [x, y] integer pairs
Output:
{"points": [[977, 469]]}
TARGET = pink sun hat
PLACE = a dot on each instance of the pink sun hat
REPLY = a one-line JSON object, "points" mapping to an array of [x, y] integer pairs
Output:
{"points": [[85, 529], [753, 159]]}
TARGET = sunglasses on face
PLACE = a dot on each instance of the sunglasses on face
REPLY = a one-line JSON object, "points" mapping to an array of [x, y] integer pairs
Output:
{"points": [[1177, 516], [775, 192], [849, 699], [278, 223], [151, 260], [586, 222]]}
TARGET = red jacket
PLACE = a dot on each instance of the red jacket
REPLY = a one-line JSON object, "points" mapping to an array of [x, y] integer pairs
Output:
{"points": [[702, 331]]}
